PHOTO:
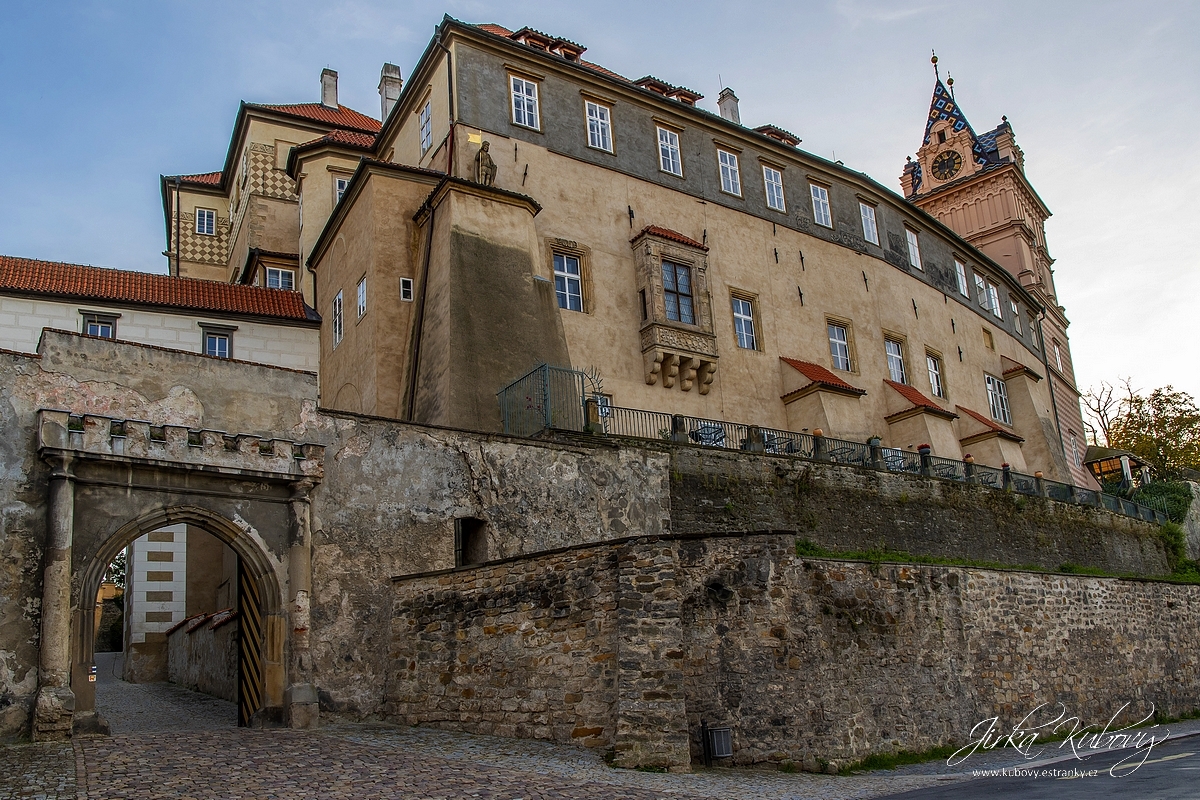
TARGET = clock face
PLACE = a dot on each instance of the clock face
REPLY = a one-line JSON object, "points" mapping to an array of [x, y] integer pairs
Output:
{"points": [[946, 165]]}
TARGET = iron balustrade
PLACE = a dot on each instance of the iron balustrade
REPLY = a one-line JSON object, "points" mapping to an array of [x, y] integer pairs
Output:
{"points": [[555, 398]]}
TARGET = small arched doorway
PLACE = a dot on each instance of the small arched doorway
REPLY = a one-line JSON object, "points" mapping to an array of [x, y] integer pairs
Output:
{"points": [[259, 610]]}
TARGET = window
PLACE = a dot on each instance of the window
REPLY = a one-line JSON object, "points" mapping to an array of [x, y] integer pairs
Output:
{"points": [[870, 229], [362, 297], [1075, 456], [645, 307], [731, 181], [935, 375], [1033, 332], [668, 152], [216, 344], [470, 541], [206, 221], [1016, 315], [281, 279], [820, 200], [839, 346], [406, 289], [1057, 356], [743, 323], [603, 404], [998, 399], [988, 341], [339, 187], [425, 118], [102, 325], [994, 301], [960, 275], [525, 102], [914, 248], [981, 292], [567, 283], [599, 123], [337, 319], [773, 178], [895, 359], [677, 292]]}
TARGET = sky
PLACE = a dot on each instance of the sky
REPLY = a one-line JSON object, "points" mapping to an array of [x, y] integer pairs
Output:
{"points": [[97, 99]]}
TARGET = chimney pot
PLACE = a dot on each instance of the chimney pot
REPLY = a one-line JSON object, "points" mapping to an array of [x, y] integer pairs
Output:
{"points": [[329, 88], [390, 84], [727, 102]]}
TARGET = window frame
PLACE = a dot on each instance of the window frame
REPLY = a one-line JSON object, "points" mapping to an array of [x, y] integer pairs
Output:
{"points": [[673, 148], [99, 318], [997, 393], [567, 277], [211, 215], [981, 296], [604, 126], [1057, 355], [994, 301], [678, 295], [361, 296], [406, 288], [865, 209], [822, 210], [280, 271], [937, 373], [847, 343], [732, 171], [744, 319], [214, 330], [425, 124], [768, 185], [896, 358], [339, 193], [512, 102], [960, 276], [1016, 315], [913, 239], [337, 319]]}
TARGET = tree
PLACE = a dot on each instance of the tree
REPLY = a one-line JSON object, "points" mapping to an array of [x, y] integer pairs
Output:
{"points": [[116, 571], [1162, 428]]}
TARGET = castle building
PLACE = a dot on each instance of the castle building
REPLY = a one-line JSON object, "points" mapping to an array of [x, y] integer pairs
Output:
{"points": [[521, 205]]}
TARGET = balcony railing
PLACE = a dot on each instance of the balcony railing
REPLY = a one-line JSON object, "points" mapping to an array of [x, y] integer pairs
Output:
{"points": [[553, 398]]}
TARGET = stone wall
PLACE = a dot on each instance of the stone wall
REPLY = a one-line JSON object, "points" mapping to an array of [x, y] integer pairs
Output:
{"points": [[844, 508], [815, 659], [812, 661], [202, 654]]}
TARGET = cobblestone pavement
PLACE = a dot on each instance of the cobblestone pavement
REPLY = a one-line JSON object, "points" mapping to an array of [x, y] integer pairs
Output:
{"points": [[171, 743]]}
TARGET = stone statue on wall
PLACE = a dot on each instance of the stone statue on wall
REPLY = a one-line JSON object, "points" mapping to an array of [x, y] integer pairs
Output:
{"points": [[485, 167]]}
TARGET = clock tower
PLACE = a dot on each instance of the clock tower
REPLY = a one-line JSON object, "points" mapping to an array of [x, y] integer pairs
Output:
{"points": [[975, 184]]}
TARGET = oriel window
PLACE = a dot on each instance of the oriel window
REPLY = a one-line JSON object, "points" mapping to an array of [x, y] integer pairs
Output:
{"points": [[677, 292]]}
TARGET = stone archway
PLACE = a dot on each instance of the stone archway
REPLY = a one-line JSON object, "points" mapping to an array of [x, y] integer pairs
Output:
{"points": [[112, 481], [263, 631]]}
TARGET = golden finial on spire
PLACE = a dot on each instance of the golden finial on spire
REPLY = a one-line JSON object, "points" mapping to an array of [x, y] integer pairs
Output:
{"points": [[950, 83], [934, 62]]}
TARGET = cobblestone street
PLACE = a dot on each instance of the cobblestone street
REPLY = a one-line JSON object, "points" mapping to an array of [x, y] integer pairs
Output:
{"points": [[168, 742]]}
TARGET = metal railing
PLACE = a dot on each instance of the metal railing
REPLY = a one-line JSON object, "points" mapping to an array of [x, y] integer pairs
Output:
{"points": [[545, 397], [552, 397]]}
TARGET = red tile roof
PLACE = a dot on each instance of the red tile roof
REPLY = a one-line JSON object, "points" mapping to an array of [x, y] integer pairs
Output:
{"points": [[341, 116], [500, 30], [364, 141], [915, 397], [205, 178], [667, 233], [28, 276], [989, 423], [818, 374]]}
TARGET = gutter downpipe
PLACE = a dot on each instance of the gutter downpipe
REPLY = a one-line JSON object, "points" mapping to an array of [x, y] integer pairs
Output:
{"points": [[177, 247]]}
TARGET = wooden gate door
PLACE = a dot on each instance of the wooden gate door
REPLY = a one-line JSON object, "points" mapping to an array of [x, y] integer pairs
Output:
{"points": [[250, 647]]}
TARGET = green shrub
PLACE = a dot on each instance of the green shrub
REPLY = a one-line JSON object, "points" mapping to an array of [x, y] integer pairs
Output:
{"points": [[1172, 536], [806, 548], [1176, 496]]}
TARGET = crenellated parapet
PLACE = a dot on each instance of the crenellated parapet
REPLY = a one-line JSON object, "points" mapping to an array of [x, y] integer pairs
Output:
{"points": [[92, 436]]}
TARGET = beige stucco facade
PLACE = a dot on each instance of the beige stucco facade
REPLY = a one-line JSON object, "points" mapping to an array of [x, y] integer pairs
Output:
{"points": [[798, 278]]}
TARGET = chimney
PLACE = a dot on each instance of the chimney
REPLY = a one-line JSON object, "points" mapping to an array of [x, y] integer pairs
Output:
{"points": [[329, 88], [727, 102], [389, 88]]}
